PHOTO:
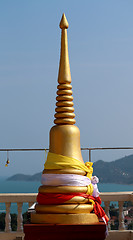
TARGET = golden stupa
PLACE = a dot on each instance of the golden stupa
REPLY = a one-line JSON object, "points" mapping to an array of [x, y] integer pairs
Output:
{"points": [[64, 158]]}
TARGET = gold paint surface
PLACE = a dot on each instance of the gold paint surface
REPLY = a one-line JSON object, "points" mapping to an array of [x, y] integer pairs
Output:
{"points": [[64, 98], [77, 199], [71, 219], [64, 109], [64, 121], [64, 208], [64, 92], [65, 140], [65, 171], [64, 115], [64, 22], [64, 104], [64, 86], [62, 189], [64, 75]]}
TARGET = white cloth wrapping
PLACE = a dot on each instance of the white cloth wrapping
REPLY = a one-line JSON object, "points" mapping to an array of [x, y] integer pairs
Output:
{"points": [[95, 190], [94, 181], [70, 180], [65, 180]]}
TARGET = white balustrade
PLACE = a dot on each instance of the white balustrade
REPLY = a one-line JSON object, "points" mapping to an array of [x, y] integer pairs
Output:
{"points": [[20, 217], [18, 198], [121, 216], [8, 218]]}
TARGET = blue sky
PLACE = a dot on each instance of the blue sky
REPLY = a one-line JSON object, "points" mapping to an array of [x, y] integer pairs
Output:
{"points": [[100, 38]]}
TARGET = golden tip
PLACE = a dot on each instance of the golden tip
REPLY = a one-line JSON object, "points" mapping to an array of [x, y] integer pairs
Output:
{"points": [[64, 22]]}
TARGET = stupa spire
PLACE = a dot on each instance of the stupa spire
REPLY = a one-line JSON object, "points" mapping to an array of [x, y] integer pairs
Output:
{"points": [[64, 111], [64, 75]]}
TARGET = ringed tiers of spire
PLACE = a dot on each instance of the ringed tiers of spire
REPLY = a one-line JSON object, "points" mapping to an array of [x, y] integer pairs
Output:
{"points": [[64, 105]]}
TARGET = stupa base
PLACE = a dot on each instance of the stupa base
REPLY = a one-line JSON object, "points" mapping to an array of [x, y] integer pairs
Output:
{"points": [[65, 232], [71, 219]]}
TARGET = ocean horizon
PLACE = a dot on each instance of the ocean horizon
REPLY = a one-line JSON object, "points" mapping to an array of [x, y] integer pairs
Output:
{"points": [[32, 187]]}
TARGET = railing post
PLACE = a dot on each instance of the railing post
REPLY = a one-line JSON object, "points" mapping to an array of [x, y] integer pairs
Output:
{"points": [[121, 216], [107, 203], [8, 218], [89, 155], [20, 218]]}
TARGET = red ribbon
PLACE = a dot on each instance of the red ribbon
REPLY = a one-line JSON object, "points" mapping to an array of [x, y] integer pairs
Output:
{"points": [[59, 198], [53, 198], [98, 209]]}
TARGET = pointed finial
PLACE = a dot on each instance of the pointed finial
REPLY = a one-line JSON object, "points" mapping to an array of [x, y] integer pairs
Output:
{"points": [[64, 22], [64, 75]]}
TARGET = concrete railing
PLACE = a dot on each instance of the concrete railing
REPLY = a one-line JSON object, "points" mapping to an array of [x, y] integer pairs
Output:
{"points": [[18, 198], [30, 198], [119, 197]]}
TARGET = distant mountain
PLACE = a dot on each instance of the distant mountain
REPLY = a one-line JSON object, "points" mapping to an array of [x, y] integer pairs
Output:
{"points": [[118, 171], [23, 177]]}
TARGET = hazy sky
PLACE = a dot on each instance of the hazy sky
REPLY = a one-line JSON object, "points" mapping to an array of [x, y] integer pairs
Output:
{"points": [[100, 38]]}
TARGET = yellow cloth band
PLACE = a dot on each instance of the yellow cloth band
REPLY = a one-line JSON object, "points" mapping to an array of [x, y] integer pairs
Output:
{"points": [[89, 189], [90, 200], [56, 161]]}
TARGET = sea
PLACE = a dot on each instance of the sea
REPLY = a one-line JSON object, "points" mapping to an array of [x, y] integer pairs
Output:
{"points": [[32, 187]]}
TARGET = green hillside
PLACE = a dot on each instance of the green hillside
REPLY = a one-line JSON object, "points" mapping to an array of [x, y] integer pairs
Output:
{"points": [[118, 171]]}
